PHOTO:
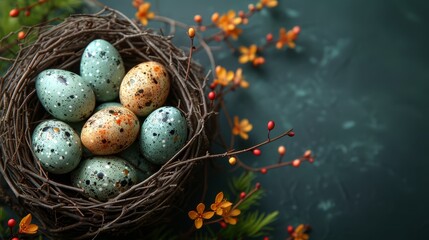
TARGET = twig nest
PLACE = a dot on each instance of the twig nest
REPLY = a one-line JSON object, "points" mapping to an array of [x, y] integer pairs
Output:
{"points": [[63, 210]]}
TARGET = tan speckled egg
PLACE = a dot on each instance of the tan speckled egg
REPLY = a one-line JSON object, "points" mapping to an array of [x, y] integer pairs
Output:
{"points": [[145, 88], [110, 130]]}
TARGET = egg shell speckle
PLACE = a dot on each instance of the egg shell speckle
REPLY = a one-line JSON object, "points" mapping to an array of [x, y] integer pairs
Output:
{"points": [[163, 134], [104, 177], [134, 156], [144, 88], [102, 68], [110, 130], [57, 146], [64, 95]]}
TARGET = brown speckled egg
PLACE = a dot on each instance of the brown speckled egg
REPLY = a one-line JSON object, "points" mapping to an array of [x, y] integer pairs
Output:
{"points": [[145, 88], [110, 130]]}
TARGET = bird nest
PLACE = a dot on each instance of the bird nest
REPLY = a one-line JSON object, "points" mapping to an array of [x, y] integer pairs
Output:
{"points": [[63, 212]]}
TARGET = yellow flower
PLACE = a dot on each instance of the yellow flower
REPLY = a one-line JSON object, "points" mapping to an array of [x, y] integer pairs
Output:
{"points": [[229, 216], [247, 54], [239, 79], [299, 233], [223, 77], [269, 3], [199, 215], [287, 38], [143, 13], [228, 23], [242, 128], [25, 226], [220, 204]]}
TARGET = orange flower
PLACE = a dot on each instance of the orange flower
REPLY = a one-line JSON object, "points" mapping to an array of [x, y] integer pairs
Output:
{"points": [[269, 3], [228, 23], [220, 204], [247, 54], [299, 233], [223, 77], [143, 13], [25, 226], [242, 128], [199, 215], [229, 216], [287, 38], [239, 79]]}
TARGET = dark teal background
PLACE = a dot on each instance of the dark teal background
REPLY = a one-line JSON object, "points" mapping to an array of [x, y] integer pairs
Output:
{"points": [[355, 91]]}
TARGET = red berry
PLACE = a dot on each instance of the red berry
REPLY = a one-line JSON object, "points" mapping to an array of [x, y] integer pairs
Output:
{"points": [[11, 223], [223, 224], [258, 185], [198, 18], [256, 152], [14, 12], [264, 170], [242, 195], [271, 125], [290, 229], [307, 154], [266, 238], [21, 35], [269, 37], [311, 160], [291, 134], [281, 150], [27, 13], [241, 14], [213, 85], [15, 238], [296, 163], [212, 95], [218, 38], [232, 160]]}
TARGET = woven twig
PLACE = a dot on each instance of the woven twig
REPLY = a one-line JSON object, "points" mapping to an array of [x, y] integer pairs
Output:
{"points": [[63, 212]]}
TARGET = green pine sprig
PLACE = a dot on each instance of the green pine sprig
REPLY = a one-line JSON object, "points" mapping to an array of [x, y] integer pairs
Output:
{"points": [[251, 225]]}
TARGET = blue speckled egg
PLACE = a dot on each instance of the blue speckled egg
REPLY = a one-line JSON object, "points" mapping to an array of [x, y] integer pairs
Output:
{"points": [[104, 177], [102, 67], [57, 146], [134, 156], [163, 134], [107, 104], [64, 95]]}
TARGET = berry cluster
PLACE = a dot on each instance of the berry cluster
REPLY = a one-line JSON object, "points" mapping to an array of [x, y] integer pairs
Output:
{"points": [[15, 12]]}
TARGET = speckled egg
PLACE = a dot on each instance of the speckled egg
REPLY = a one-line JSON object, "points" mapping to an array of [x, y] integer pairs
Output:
{"points": [[134, 156], [57, 146], [64, 95], [104, 177], [102, 67], [163, 134], [144, 88], [107, 104], [110, 130]]}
